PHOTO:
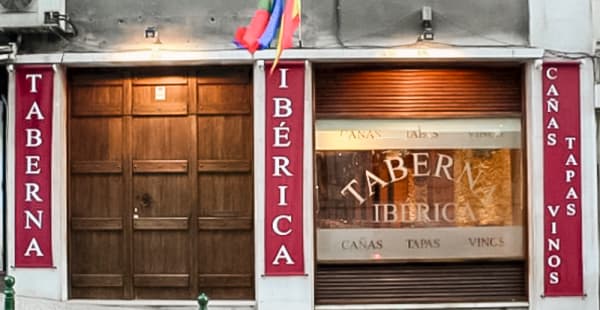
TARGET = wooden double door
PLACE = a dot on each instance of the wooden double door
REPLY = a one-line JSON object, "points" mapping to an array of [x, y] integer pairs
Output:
{"points": [[160, 183]]}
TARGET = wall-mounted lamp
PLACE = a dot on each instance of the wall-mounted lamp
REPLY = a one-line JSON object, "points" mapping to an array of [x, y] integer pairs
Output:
{"points": [[150, 33], [426, 18]]}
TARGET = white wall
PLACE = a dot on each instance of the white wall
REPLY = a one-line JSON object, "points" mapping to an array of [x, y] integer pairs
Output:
{"points": [[561, 25], [596, 20]]}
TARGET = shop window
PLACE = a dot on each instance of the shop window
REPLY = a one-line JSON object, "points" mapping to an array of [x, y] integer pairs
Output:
{"points": [[418, 202]]}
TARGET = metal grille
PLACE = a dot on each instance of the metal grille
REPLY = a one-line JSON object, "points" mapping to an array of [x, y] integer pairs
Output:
{"points": [[421, 282]]}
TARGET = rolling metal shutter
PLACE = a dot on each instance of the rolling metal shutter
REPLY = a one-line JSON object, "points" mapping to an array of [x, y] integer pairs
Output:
{"points": [[391, 92], [421, 282]]}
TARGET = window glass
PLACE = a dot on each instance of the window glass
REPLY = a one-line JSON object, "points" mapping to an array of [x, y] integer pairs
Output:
{"points": [[428, 189]]}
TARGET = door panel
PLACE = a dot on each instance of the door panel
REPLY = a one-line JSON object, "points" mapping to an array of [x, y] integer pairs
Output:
{"points": [[96, 138], [166, 138], [96, 188], [161, 260], [93, 274], [225, 185], [221, 274], [224, 137], [216, 197], [160, 95], [97, 95], [160, 188], [223, 99]]}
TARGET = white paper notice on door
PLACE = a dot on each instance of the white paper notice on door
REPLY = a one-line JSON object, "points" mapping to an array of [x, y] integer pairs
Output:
{"points": [[160, 93]]}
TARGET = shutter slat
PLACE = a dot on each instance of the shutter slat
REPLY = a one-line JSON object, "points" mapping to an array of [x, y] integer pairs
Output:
{"points": [[419, 282], [358, 92]]}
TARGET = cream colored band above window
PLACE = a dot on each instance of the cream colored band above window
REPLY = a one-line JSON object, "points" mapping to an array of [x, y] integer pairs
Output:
{"points": [[479, 133]]}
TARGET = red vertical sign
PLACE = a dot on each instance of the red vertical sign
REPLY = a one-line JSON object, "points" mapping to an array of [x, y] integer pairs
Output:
{"points": [[284, 254], [33, 141], [562, 180]]}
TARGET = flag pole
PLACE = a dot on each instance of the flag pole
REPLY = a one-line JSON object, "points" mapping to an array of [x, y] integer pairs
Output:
{"points": [[300, 26]]}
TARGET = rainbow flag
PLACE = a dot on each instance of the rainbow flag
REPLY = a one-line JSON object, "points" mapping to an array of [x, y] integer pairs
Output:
{"points": [[248, 36], [269, 34], [284, 15], [289, 23]]}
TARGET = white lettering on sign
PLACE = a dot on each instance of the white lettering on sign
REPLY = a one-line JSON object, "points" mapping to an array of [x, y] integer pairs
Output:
{"points": [[418, 164], [283, 233], [31, 192], [283, 107], [423, 212], [283, 254], [554, 261], [32, 163], [553, 210], [34, 78], [569, 174], [280, 164], [571, 161], [282, 138], [283, 75], [34, 137], [554, 244], [551, 73], [562, 165], [349, 188], [446, 167], [282, 196], [552, 124], [34, 111], [554, 277], [33, 178], [571, 210], [552, 104], [570, 142], [30, 217], [275, 227], [397, 171], [571, 194], [552, 91], [373, 179], [391, 168], [35, 247], [551, 139]]}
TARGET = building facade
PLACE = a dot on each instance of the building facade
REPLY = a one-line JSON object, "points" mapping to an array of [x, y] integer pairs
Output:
{"points": [[405, 155]]}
